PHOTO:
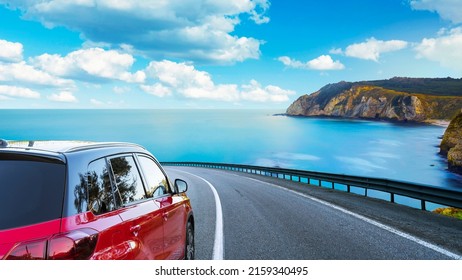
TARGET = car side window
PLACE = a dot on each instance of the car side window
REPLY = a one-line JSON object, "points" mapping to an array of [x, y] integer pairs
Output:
{"points": [[129, 187], [100, 193], [157, 184]]}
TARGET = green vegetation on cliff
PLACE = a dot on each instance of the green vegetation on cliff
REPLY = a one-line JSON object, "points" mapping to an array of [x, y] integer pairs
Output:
{"points": [[431, 86]]}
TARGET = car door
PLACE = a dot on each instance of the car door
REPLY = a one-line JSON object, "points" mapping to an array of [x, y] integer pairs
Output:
{"points": [[174, 211], [142, 220]]}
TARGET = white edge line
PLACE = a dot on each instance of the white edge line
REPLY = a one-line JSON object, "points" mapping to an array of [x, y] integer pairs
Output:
{"points": [[219, 238], [368, 220]]}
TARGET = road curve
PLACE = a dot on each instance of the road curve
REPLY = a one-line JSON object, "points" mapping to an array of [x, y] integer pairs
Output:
{"points": [[268, 218]]}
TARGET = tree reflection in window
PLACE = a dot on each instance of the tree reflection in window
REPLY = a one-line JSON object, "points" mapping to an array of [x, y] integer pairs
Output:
{"points": [[156, 181], [129, 187], [94, 191]]}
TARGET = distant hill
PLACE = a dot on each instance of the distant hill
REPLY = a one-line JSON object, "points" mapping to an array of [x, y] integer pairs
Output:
{"points": [[397, 99]]}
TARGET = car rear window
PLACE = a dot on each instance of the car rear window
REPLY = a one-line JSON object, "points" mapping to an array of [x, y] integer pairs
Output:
{"points": [[32, 191]]}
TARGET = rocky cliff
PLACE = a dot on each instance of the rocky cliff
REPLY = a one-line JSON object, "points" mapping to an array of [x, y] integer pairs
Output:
{"points": [[371, 100], [451, 145]]}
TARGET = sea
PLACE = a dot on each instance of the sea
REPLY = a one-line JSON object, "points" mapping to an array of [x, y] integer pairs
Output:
{"points": [[398, 151]]}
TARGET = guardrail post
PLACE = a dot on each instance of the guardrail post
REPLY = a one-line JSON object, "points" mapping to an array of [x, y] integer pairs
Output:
{"points": [[422, 205], [392, 197]]}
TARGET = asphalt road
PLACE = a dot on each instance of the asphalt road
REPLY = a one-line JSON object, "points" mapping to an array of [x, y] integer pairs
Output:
{"points": [[253, 217]]}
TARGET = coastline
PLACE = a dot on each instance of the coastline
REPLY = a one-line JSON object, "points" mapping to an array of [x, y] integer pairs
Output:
{"points": [[442, 123], [437, 122]]}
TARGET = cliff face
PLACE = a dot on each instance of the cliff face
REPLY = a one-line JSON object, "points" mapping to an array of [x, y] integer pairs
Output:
{"points": [[363, 100], [451, 145]]}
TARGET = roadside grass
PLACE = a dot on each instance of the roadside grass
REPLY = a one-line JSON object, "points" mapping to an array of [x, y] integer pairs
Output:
{"points": [[450, 211]]}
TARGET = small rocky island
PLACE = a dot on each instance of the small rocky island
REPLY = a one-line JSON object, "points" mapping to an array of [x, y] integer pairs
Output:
{"points": [[451, 146], [396, 99]]}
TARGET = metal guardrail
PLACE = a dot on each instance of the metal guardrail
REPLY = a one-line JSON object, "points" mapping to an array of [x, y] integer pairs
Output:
{"points": [[420, 192]]}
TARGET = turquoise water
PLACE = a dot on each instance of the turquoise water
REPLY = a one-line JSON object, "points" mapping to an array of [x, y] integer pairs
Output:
{"points": [[257, 137]]}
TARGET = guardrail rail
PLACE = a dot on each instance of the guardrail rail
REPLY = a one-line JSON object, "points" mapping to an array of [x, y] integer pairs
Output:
{"points": [[395, 189]]}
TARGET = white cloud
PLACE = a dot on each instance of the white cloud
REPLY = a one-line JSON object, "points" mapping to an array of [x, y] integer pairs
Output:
{"points": [[26, 74], [448, 9], [90, 64], [188, 29], [373, 48], [13, 91], [179, 75], [445, 49], [255, 92], [156, 89], [289, 62], [336, 51], [10, 51], [64, 96], [323, 62], [183, 79]]}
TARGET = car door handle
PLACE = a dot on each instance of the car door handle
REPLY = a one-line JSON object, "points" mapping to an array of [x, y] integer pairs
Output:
{"points": [[165, 215], [135, 230]]}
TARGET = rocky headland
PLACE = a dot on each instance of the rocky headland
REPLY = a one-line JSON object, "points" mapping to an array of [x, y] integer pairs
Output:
{"points": [[396, 99]]}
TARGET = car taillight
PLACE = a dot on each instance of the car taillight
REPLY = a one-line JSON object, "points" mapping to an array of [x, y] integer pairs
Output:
{"points": [[74, 245], [29, 251]]}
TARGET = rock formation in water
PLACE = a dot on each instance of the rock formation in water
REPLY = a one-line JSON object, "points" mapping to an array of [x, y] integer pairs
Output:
{"points": [[451, 145], [396, 99]]}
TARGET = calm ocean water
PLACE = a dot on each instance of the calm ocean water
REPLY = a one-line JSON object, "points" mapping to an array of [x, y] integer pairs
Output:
{"points": [[376, 149]]}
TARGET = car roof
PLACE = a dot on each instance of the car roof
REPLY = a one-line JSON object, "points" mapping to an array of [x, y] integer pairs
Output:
{"points": [[59, 146]]}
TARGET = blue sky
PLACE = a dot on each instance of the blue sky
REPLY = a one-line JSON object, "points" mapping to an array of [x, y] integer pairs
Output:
{"points": [[215, 54]]}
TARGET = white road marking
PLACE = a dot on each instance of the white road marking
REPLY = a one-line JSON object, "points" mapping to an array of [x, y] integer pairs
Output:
{"points": [[367, 220], [218, 251]]}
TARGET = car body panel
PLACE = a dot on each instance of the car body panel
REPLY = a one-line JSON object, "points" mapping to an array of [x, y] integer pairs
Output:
{"points": [[12, 237], [142, 226], [175, 212]]}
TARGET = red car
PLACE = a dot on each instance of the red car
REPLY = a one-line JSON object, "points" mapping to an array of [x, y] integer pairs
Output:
{"points": [[81, 200]]}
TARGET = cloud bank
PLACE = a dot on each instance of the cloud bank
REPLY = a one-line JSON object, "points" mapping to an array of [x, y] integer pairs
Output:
{"points": [[64, 75], [184, 80], [196, 30]]}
